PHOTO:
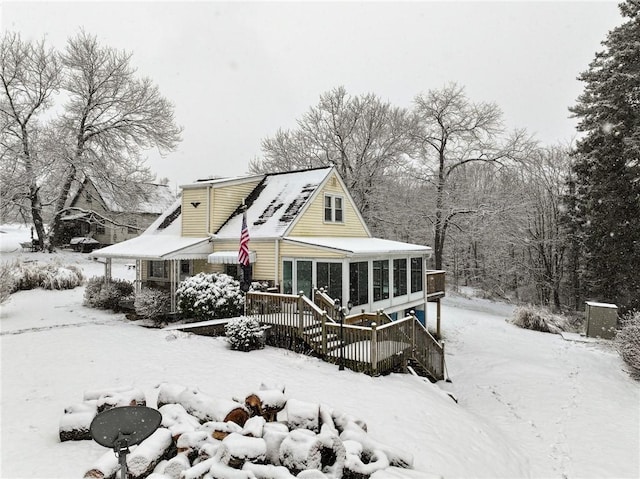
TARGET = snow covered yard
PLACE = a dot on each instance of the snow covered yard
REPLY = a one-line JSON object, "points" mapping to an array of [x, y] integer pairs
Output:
{"points": [[530, 404]]}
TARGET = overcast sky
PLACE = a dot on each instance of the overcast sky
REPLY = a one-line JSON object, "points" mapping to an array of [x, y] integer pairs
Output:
{"points": [[238, 71]]}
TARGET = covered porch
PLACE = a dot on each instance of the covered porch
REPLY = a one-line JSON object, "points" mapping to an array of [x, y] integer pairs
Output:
{"points": [[165, 255]]}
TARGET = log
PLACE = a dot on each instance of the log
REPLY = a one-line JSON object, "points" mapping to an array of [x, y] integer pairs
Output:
{"points": [[206, 408], [222, 471], [176, 465], [199, 470], [189, 443], [254, 427], [360, 466], [168, 393], [273, 434], [395, 456], [76, 420], [129, 397], [178, 420], [237, 449], [267, 471], [303, 415], [266, 403], [144, 458], [220, 430], [104, 468], [301, 450]]}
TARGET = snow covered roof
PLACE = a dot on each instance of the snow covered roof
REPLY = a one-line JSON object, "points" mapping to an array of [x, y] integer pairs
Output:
{"points": [[361, 246], [153, 198], [169, 222], [274, 204], [158, 247]]}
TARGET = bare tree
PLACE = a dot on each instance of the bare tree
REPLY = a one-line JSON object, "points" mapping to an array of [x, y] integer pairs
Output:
{"points": [[363, 136], [451, 132], [110, 118], [30, 75]]}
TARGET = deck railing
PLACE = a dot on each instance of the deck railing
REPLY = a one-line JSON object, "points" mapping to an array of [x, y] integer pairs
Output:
{"points": [[369, 347]]}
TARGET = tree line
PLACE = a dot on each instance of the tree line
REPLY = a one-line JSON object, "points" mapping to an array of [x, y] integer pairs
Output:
{"points": [[546, 224]]}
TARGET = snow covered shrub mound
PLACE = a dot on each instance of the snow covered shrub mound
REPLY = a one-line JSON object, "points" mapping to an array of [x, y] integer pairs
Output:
{"points": [[210, 296], [245, 334], [101, 295], [153, 304], [47, 276], [199, 438], [7, 282], [628, 343], [538, 319]]}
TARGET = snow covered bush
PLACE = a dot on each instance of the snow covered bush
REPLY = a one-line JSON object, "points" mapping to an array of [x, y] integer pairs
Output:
{"points": [[153, 304], [7, 282], [47, 276], [245, 334], [628, 343], [210, 296], [538, 319], [101, 295]]}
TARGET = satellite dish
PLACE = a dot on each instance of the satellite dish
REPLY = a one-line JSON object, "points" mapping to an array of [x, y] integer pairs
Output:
{"points": [[121, 427]]}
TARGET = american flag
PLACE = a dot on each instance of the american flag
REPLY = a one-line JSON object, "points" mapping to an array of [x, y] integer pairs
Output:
{"points": [[243, 254]]}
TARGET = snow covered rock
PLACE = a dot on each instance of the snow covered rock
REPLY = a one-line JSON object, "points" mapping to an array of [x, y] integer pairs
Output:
{"points": [[76, 420]]}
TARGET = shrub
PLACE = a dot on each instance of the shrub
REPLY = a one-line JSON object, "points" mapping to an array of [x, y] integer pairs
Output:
{"points": [[7, 282], [245, 334], [210, 296], [48, 276], [101, 295], [153, 304], [628, 343], [538, 319]]}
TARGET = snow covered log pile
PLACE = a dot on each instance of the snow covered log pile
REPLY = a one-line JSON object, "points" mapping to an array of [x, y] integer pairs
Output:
{"points": [[266, 437]]}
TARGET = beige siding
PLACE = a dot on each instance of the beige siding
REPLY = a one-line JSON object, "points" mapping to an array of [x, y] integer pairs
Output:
{"points": [[312, 221], [194, 220], [226, 200], [300, 251], [264, 269]]}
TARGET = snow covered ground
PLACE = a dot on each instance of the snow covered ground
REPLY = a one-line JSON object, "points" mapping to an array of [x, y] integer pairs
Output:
{"points": [[530, 404]]}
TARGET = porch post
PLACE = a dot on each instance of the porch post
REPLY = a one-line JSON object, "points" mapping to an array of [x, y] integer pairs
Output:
{"points": [[107, 270], [323, 321], [374, 349], [172, 274], [300, 313], [138, 285], [438, 318]]}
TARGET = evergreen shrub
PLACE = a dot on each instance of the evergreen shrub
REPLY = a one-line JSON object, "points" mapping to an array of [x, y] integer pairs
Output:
{"points": [[628, 343], [245, 334], [7, 282], [153, 304], [101, 295], [539, 319], [210, 296]]}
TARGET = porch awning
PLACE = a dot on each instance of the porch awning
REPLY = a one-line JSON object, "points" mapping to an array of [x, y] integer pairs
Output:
{"points": [[158, 248], [229, 257], [365, 247]]}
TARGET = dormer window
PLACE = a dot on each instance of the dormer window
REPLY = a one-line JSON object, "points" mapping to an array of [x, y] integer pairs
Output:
{"points": [[333, 209]]}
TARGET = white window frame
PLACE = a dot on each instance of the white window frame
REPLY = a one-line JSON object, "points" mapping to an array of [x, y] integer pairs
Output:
{"points": [[333, 198]]}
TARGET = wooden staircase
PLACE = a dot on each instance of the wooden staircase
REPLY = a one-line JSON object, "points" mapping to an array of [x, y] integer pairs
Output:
{"points": [[369, 342]]}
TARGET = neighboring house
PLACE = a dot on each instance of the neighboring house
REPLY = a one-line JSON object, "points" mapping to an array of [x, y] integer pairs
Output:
{"points": [[97, 214], [305, 232]]}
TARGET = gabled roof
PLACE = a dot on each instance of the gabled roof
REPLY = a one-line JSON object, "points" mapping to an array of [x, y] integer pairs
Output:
{"points": [[275, 203], [154, 198]]}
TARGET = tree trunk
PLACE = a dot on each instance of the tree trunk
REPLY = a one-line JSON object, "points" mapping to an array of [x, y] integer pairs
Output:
{"points": [[56, 223]]}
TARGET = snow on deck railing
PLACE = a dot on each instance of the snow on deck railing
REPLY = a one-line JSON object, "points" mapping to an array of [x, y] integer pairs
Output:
{"points": [[374, 349]]}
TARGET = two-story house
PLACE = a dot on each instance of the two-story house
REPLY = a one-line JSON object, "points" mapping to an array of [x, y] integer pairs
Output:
{"points": [[304, 230], [103, 216]]}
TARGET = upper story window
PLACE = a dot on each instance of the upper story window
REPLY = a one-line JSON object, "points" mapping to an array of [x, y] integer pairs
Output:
{"points": [[333, 209]]}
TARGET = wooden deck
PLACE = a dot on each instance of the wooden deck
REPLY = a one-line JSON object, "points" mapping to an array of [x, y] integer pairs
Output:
{"points": [[373, 349]]}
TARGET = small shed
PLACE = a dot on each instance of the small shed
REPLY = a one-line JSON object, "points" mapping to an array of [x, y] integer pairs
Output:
{"points": [[602, 319]]}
